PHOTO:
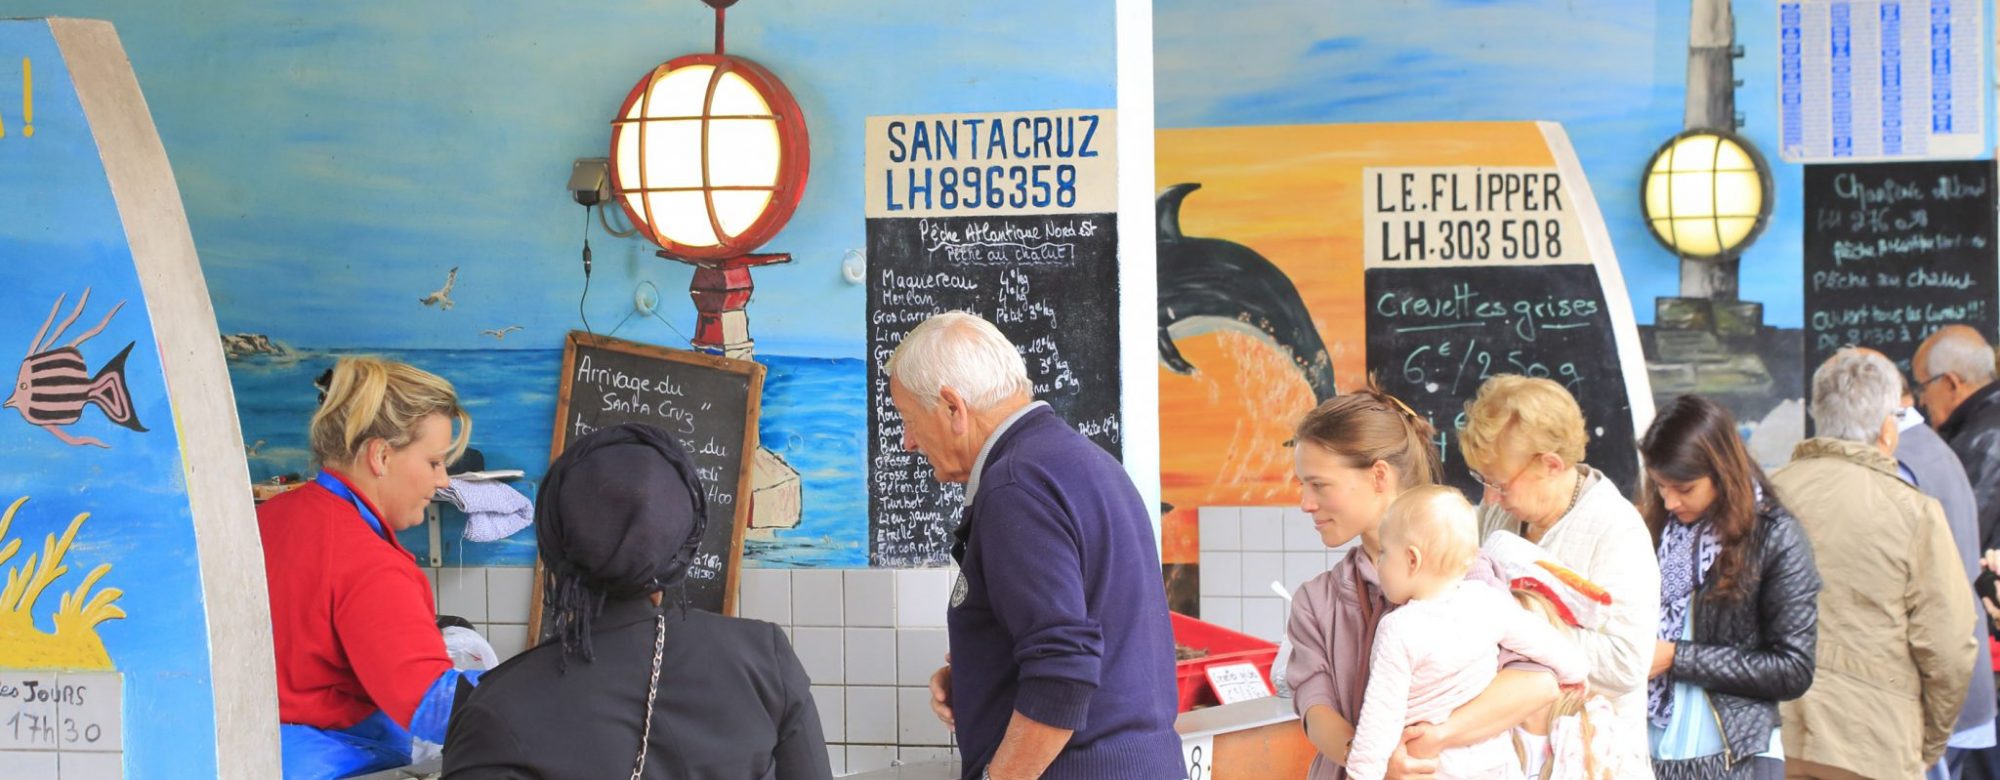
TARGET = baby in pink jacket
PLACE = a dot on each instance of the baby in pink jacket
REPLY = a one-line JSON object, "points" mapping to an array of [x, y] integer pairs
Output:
{"points": [[1440, 649]]}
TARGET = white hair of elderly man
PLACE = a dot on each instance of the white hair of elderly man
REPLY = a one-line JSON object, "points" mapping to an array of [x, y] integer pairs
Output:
{"points": [[1963, 353], [1853, 392], [964, 352]]}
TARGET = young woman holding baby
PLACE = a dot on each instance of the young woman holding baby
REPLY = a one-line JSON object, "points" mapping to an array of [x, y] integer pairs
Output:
{"points": [[1355, 455]]}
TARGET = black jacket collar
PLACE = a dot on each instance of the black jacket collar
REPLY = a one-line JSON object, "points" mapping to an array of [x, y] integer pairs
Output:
{"points": [[1975, 405]]}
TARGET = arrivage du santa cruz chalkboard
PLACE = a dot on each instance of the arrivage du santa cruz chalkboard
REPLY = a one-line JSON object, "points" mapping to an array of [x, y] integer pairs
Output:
{"points": [[1011, 216], [708, 403], [1472, 272]]}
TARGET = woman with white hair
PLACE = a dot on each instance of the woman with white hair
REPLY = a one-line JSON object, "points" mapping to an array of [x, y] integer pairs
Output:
{"points": [[1895, 647]]}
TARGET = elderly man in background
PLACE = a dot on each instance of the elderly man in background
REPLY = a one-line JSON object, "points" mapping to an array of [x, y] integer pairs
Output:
{"points": [[1927, 463], [1062, 652], [1953, 370], [1895, 642]]}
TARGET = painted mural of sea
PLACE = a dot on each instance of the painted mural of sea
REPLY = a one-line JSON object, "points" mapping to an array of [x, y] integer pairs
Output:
{"points": [[813, 416]]}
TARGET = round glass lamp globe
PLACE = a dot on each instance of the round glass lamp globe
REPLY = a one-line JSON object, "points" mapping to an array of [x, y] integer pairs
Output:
{"points": [[1707, 194], [709, 156]]}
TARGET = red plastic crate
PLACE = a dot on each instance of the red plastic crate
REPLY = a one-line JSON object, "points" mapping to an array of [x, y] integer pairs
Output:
{"points": [[1224, 647]]}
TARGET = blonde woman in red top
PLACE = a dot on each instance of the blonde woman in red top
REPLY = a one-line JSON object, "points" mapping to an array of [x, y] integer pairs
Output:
{"points": [[361, 665]]}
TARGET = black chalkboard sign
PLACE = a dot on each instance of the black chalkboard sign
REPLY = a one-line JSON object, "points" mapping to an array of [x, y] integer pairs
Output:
{"points": [[1895, 251], [1049, 282], [1435, 334], [710, 403]]}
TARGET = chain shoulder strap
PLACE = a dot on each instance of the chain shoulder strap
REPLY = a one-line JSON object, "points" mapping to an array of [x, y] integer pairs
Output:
{"points": [[652, 691]]}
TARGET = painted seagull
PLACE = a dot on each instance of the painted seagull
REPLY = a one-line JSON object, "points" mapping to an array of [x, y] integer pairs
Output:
{"points": [[443, 294], [500, 333], [1209, 284]]}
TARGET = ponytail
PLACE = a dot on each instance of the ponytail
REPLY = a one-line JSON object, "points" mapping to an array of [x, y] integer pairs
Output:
{"points": [[370, 398], [1371, 425]]}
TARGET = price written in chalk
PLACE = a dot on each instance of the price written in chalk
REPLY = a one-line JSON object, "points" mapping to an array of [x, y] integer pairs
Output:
{"points": [[1436, 333], [1467, 363]]}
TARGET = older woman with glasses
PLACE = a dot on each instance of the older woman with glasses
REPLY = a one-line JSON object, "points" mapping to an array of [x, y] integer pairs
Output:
{"points": [[1524, 440]]}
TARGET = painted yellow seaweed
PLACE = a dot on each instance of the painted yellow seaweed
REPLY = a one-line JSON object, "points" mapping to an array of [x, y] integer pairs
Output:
{"points": [[75, 643]]}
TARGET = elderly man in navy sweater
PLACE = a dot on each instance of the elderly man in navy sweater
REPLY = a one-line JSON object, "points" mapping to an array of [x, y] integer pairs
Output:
{"points": [[1062, 656]]}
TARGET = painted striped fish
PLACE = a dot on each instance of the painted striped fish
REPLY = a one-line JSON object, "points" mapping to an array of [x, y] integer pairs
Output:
{"points": [[55, 384]]}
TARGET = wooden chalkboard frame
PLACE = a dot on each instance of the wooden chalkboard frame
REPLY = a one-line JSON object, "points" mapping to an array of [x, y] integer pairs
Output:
{"points": [[751, 370]]}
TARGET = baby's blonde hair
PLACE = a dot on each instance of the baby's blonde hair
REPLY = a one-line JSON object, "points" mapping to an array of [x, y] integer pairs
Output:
{"points": [[1572, 701], [1437, 521]]}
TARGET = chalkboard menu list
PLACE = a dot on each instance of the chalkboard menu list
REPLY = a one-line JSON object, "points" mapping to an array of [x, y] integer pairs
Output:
{"points": [[1895, 251], [1436, 333], [708, 403], [1049, 282]]}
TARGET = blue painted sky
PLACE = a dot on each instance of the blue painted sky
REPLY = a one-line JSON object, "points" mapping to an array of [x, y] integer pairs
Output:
{"points": [[336, 159], [1613, 72], [59, 233]]}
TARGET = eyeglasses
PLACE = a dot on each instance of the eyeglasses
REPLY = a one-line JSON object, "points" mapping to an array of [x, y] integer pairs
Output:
{"points": [[1500, 488], [1922, 385]]}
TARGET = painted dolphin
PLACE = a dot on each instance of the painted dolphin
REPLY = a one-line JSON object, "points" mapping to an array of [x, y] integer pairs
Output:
{"points": [[1209, 284]]}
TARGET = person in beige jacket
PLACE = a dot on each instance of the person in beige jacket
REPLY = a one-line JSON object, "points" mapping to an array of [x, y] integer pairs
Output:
{"points": [[1895, 635]]}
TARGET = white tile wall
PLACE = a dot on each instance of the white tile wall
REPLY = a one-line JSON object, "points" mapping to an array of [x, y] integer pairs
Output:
{"points": [[915, 723], [1302, 566], [821, 650], [870, 597], [921, 596], [462, 592], [1264, 618], [1299, 531], [507, 639], [832, 703], [871, 656], [765, 594], [1263, 528], [509, 593], [816, 598], [89, 766], [1260, 569], [1221, 573], [1270, 544], [1220, 528], [1223, 611], [836, 757], [28, 766], [871, 714], [919, 653]]}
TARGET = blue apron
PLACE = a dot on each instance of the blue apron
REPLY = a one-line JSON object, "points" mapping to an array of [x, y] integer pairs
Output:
{"points": [[377, 742]]}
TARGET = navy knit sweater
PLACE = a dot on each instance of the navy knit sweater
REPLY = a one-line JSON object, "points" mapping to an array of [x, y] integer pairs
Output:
{"points": [[1060, 612]]}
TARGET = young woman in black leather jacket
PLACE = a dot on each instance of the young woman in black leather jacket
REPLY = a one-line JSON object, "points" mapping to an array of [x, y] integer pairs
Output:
{"points": [[1738, 599]]}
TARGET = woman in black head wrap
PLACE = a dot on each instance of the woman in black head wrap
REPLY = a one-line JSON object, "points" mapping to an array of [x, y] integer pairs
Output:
{"points": [[634, 683]]}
